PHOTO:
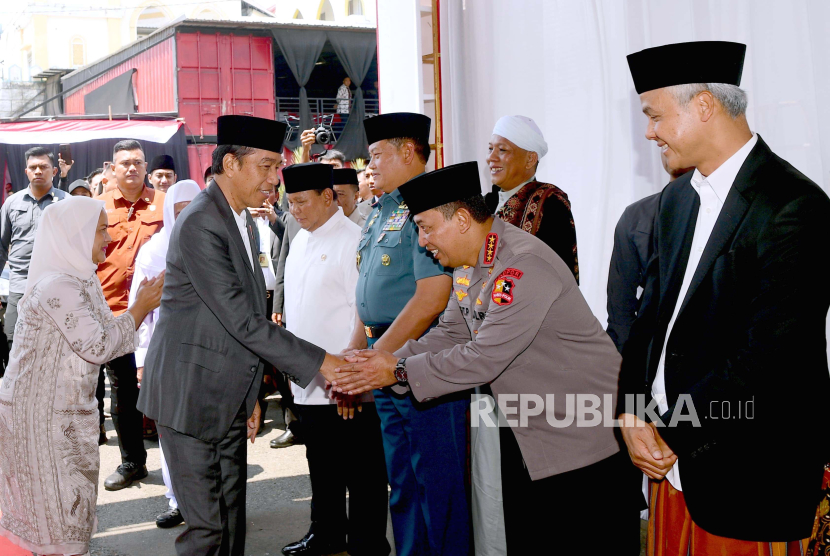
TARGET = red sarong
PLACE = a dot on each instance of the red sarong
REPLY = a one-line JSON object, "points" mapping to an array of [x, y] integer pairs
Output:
{"points": [[671, 532]]}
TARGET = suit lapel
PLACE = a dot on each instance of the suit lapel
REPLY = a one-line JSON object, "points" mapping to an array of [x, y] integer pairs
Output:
{"points": [[731, 215], [734, 208], [230, 223], [677, 229], [258, 277]]}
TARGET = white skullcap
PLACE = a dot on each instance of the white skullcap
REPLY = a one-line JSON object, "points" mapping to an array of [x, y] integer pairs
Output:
{"points": [[523, 132]]}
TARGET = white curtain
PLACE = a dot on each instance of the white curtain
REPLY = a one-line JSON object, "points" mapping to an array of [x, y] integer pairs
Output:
{"points": [[562, 63]]}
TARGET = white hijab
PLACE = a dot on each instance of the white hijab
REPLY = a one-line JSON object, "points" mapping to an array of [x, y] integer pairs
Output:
{"points": [[153, 255], [64, 240]]}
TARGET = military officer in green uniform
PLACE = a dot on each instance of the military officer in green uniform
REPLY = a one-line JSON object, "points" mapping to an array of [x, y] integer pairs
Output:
{"points": [[401, 291]]}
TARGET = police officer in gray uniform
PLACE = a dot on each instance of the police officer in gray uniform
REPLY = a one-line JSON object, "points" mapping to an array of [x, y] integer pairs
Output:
{"points": [[401, 291], [517, 321]]}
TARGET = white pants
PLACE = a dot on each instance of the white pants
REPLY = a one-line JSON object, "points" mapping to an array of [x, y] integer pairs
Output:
{"points": [[165, 474], [487, 507]]}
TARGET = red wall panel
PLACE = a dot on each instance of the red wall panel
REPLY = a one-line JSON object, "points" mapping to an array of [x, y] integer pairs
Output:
{"points": [[198, 159], [223, 74], [154, 81]]}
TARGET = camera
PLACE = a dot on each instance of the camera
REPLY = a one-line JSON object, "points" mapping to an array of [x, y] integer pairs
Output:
{"points": [[323, 135]]}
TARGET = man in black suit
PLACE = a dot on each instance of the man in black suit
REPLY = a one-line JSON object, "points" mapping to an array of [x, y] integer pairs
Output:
{"points": [[204, 367], [729, 345], [629, 260]]}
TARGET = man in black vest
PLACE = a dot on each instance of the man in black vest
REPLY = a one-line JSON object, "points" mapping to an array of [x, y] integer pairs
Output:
{"points": [[629, 261]]}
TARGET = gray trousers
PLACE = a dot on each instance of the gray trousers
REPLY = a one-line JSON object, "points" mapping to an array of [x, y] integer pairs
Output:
{"points": [[209, 484], [11, 316]]}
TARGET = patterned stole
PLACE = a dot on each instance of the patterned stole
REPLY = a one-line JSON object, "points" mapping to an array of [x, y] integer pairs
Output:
{"points": [[525, 210]]}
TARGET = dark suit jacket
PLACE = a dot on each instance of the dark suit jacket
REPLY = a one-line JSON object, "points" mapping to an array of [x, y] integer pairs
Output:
{"points": [[206, 356], [291, 229], [748, 346], [629, 260]]}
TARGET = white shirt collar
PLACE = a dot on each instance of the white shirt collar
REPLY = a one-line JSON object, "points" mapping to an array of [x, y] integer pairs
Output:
{"points": [[330, 223], [723, 177], [505, 195], [241, 221]]}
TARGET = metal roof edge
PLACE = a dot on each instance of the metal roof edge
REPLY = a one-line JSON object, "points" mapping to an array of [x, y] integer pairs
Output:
{"points": [[131, 50], [90, 71], [160, 116], [267, 25]]}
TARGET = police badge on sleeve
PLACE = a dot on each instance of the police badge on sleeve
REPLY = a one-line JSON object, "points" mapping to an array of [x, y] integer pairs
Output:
{"points": [[503, 291]]}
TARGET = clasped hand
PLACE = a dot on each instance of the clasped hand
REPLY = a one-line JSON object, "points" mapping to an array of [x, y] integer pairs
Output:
{"points": [[353, 372], [646, 447], [366, 369]]}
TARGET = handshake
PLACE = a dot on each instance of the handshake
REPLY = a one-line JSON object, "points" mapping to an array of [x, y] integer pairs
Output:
{"points": [[354, 372]]}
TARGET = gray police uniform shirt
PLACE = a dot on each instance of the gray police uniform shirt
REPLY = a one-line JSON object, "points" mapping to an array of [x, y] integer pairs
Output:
{"points": [[358, 217], [390, 262], [19, 219], [518, 321]]}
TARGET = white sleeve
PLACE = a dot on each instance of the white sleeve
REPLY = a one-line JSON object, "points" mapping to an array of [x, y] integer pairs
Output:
{"points": [[350, 270], [145, 331]]}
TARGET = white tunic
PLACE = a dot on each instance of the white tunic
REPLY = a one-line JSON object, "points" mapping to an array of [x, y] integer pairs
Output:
{"points": [[320, 281], [712, 190]]}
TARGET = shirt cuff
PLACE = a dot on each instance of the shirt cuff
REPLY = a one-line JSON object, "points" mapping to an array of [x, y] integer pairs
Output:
{"points": [[399, 388], [140, 355]]}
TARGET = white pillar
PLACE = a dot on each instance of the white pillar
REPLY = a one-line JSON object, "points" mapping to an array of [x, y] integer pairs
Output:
{"points": [[400, 68]]}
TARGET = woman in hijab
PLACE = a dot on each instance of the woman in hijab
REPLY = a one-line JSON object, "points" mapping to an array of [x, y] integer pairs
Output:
{"points": [[151, 262], [48, 412]]}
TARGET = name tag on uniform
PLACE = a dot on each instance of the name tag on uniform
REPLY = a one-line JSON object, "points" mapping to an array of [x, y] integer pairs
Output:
{"points": [[396, 220]]}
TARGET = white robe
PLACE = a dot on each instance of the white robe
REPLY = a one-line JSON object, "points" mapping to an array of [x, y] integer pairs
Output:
{"points": [[320, 282]]}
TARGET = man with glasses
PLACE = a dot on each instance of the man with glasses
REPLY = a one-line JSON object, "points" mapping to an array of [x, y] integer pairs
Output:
{"points": [[135, 214]]}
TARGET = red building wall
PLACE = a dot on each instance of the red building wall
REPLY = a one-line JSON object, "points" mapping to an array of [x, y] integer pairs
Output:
{"points": [[199, 157], [223, 74], [154, 81]]}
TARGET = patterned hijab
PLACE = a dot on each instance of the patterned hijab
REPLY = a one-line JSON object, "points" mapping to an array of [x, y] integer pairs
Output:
{"points": [[64, 240]]}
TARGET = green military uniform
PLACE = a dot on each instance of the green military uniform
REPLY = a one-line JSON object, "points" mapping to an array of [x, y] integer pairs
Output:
{"points": [[424, 444], [388, 257]]}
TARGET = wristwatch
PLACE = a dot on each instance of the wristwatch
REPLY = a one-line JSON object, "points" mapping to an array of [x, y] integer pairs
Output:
{"points": [[400, 372]]}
